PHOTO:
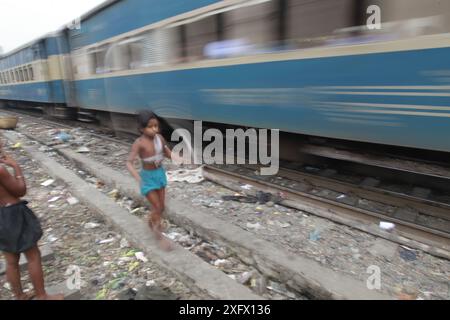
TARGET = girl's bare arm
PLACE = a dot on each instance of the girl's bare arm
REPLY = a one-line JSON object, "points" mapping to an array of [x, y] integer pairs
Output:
{"points": [[131, 158], [166, 149], [169, 154], [15, 185]]}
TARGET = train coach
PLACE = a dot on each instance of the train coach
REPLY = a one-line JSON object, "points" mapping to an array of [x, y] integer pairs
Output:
{"points": [[305, 67], [34, 75]]}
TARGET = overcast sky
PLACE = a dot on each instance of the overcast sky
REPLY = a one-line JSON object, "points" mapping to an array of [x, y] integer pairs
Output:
{"points": [[24, 20]]}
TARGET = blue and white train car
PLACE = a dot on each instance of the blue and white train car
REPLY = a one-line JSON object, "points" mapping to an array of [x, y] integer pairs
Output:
{"points": [[33, 74], [298, 66], [304, 67]]}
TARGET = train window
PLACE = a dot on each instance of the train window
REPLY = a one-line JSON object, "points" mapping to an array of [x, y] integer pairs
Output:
{"points": [[153, 48], [250, 29], [98, 58], [144, 51], [30, 73], [136, 54], [17, 77], [415, 17], [168, 45], [25, 74], [82, 64], [171, 42], [88, 64], [198, 35], [312, 23], [12, 76], [21, 75], [115, 58], [132, 53], [100, 61], [1, 78]]}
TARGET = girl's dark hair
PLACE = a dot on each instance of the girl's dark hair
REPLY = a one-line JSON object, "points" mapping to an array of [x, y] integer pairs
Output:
{"points": [[144, 117]]}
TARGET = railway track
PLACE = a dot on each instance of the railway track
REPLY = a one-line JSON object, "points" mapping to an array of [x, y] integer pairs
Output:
{"points": [[348, 204]]}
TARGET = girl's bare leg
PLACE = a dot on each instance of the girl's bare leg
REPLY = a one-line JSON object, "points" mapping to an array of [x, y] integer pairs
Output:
{"points": [[33, 256], [162, 201], [155, 219], [13, 274]]}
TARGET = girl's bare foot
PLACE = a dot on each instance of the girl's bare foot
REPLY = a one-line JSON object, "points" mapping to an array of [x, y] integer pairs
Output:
{"points": [[59, 296], [156, 227], [156, 232], [26, 296], [165, 244], [150, 224]]}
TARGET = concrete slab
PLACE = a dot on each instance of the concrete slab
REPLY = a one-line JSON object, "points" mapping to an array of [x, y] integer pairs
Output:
{"points": [[46, 255], [192, 270]]}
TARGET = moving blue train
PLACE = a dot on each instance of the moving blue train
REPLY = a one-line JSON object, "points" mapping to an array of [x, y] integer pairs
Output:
{"points": [[311, 67]]}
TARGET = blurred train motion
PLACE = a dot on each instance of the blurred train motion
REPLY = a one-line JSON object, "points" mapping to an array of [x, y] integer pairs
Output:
{"points": [[306, 67]]}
